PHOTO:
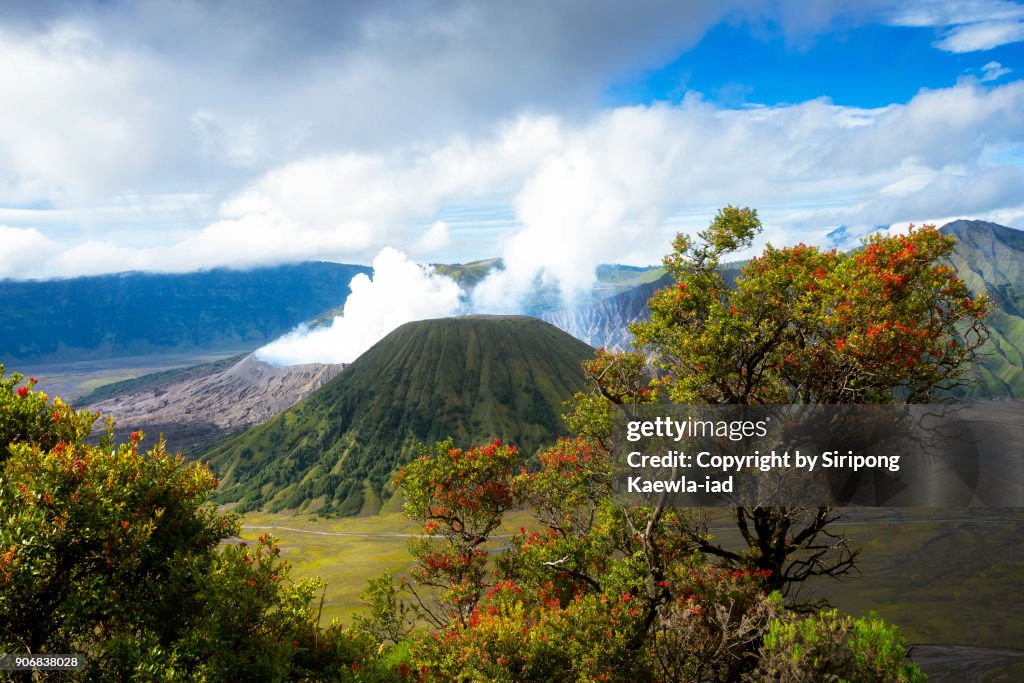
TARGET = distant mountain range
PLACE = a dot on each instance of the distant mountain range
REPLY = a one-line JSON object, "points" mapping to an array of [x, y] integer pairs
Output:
{"points": [[474, 378], [605, 323], [988, 256], [142, 313]]}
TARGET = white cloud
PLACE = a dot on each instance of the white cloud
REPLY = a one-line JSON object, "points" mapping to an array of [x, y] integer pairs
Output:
{"points": [[74, 125], [111, 98], [609, 193], [238, 142], [613, 187], [186, 97], [981, 36], [24, 253], [400, 291], [331, 131], [993, 71], [968, 25], [436, 237]]}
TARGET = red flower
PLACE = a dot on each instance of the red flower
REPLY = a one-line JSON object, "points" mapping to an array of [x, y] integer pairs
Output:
{"points": [[23, 392]]}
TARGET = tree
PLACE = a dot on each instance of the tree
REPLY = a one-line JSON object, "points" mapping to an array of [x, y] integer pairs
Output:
{"points": [[459, 496], [114, 552], [886, 323], [592, 590]]}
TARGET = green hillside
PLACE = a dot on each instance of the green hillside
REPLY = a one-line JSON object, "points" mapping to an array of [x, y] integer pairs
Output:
{"points": [[469, 275], [474, 378], [990, 257]]}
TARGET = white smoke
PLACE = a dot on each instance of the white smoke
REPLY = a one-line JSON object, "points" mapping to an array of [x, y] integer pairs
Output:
{"points": [[400, 291]]}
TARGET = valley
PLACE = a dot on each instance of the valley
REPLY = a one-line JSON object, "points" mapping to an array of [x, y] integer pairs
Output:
{"points": [[75, 379], [945, 577]]}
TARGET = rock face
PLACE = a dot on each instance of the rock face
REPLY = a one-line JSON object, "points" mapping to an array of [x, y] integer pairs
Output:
{"points": [[198, 410], [606, 322]]}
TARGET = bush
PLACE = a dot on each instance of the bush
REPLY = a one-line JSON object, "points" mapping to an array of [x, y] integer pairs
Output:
{"points": [[114, 552], [830, 648]]}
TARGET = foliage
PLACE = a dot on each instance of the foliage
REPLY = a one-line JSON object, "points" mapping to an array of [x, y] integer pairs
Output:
{"points": [[889, 322], [460, 497], [389, 618], [594, 592], [114, 552], [832, 648], [27, 416]]}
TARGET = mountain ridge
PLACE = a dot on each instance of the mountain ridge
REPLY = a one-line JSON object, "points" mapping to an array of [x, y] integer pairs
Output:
{"points": [[126, 314]]}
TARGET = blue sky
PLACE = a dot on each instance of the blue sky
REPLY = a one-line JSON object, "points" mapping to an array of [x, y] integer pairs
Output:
{"points": [[863, 66], [179, 136]]}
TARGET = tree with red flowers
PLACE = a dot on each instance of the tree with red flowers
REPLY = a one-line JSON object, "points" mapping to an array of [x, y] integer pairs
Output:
{"points": [[593, 590], [890, 322], [460, 497], [590, 590]]}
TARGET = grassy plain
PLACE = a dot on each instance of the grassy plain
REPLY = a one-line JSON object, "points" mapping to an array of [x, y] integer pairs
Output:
{"points": [[347, 551], [943, 576]]}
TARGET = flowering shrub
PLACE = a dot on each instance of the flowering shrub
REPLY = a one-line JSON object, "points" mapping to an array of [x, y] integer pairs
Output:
{"points": [[515, 634], [114, 552], [802, 325], [29, 416], [616, 594]]}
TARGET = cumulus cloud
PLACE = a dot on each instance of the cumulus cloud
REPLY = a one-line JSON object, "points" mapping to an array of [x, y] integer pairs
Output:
{"points": [[399, 292], [435, 238], [610, 191], [75, 126], [23, 252], [613, 187], [116, 97], [392, 123]]}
